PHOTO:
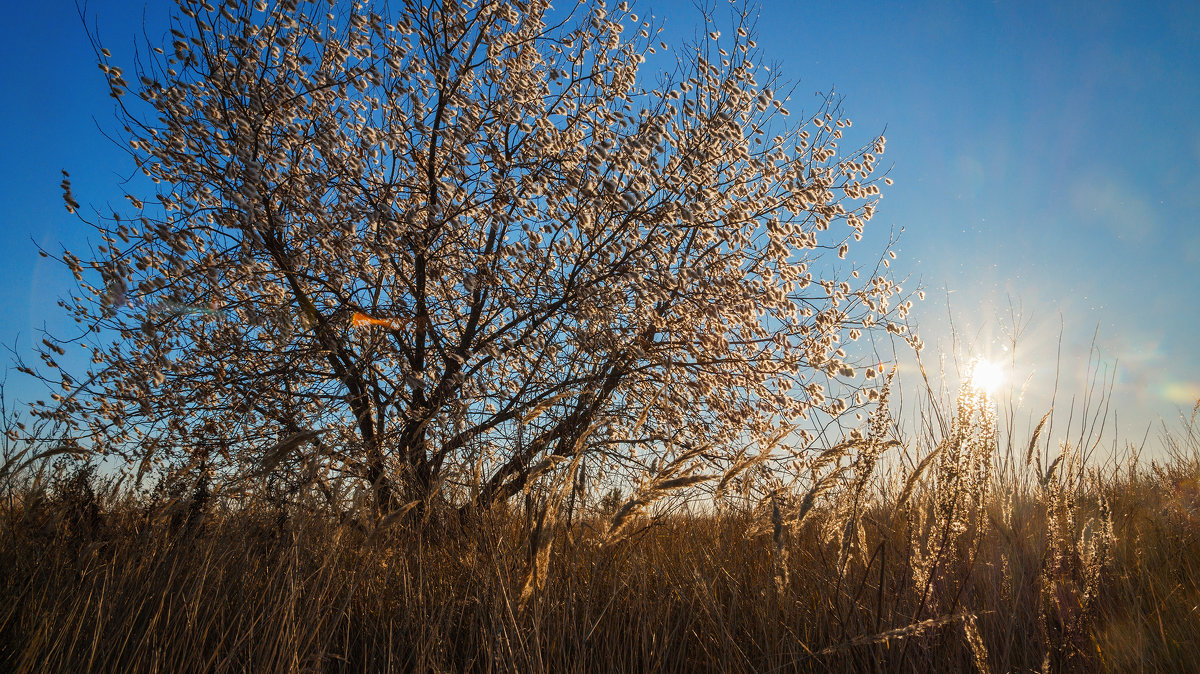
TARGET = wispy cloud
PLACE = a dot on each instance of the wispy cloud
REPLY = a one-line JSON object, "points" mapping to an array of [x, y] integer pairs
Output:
{"points": [[1116, 205]]}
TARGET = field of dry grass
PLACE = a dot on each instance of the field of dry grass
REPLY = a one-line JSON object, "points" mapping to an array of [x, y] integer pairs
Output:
{"points": [[966, 561]]}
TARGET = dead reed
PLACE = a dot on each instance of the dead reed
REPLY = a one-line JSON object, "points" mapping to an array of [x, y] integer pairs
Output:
{"points": [[943, 563]]}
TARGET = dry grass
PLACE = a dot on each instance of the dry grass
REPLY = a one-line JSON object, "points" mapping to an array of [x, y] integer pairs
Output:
{"points": [[1019, 574]]}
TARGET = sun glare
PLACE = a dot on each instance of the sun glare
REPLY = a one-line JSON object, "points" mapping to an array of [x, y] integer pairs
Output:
{"points": [[986, 376]]}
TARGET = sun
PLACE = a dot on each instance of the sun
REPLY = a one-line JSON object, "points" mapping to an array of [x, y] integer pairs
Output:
{"points": [[986, 376]]}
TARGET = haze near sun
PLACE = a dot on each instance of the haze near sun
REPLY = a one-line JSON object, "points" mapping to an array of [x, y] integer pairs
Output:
{"points": [[986, 376]]}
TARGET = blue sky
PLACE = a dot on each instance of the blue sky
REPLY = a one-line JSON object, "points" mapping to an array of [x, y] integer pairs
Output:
{"points": [[1045, 154]]}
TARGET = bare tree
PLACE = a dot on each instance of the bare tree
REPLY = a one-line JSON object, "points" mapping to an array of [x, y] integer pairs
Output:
{"points": [[447, 246]]}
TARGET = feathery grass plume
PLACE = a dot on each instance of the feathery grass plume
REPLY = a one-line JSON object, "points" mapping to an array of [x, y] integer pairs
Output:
{"points": [[538, 564], [680, 483], [1046, 477], [545, 405], [974, 639], [924, 555], [779, 560], [819, 488], [17, 462], [653, 489], [392, 519], [1096, 544], [796, 514], [1037, 434], [739, 465], [630, 509], [960, 486], [878, 423], [280, 450], [1071, 569], [642, 498], [542, 467], [743, 463], [834, 453], [541, 539], [975, 642], [912, 630], [851, 537], [913, 478]]}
